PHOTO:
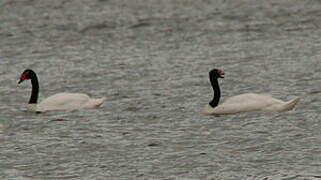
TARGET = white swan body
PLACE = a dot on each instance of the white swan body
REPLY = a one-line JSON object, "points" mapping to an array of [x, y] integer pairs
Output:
{"points": [[60, 101], [251, 102], [244, 102], [67, 101]]}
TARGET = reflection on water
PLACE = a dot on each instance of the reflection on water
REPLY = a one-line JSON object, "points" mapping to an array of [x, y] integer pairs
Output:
{"points": [[151, 60]]}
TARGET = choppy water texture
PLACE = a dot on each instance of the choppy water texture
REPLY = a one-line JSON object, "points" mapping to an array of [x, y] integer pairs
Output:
{"points": [[151, 59]]}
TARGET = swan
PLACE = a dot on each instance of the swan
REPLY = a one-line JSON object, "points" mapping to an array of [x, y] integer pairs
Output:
{"points": [[243, 102], [60, 101]]}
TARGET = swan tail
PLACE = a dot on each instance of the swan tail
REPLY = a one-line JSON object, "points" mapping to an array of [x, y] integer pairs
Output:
{"points": [[289, 105], [100, 101], [94, 103]]}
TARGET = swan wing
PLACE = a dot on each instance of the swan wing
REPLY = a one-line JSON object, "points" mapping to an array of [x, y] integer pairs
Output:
{"points": [[250, 98], [237, 107], [64, 101], [247, 102]]}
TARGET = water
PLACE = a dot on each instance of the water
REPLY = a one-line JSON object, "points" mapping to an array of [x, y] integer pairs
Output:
{"points": [[151, 60]]}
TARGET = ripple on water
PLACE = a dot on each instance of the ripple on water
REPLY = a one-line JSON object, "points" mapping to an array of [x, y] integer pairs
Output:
{"points": [[151, 60]]}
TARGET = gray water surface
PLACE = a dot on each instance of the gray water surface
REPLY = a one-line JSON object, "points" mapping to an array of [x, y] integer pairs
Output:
{"points": [[151, 59]]}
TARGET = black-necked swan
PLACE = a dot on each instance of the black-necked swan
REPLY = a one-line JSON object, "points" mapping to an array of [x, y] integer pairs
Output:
{"points": [[243, 102], [60, 101]]}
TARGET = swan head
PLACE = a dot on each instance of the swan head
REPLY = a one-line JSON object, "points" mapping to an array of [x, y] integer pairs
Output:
{"points": [[217, 73], [27, 74]]}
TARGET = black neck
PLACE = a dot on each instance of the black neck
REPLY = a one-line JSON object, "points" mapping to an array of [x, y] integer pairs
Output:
{"points": [[35, 88], [217, 92]]}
